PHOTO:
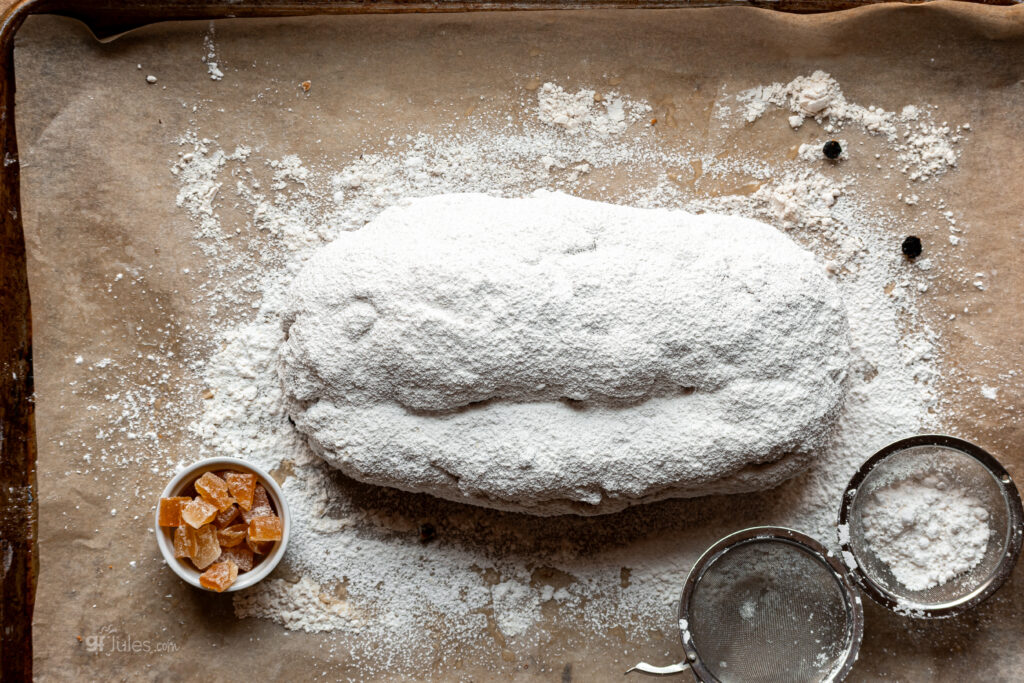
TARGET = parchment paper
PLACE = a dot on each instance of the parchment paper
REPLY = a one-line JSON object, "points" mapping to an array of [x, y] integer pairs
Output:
{"points": [[98, 198]]}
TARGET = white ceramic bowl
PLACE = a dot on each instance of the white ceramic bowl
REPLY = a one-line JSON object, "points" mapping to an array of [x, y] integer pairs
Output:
{"points": [[165, 535]]}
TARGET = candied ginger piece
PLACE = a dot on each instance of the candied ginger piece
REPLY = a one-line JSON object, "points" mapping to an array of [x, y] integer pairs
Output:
{"points": [[242, 486], [198, 512], [259, 547], [214, 490], [207, 547], [260, 505], [219, 576], [268, 528], [249, 515], [241, 556], [184, 541], [225, 518], [260, 497], [232, 535], [170, 510]]}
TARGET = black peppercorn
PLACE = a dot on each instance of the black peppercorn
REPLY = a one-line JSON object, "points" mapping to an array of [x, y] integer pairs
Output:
{"points": [[832, 149], [427, 532], [912, 247]]}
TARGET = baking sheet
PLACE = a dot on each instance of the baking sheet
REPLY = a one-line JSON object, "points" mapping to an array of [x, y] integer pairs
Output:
{"points": [[98, 199]]}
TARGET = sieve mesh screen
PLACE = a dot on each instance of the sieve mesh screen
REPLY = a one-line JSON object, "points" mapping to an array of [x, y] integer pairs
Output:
{"points": [[768, 610]]}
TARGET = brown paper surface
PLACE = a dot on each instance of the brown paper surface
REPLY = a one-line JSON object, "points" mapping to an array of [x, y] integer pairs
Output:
{"points": [[98, 198]]}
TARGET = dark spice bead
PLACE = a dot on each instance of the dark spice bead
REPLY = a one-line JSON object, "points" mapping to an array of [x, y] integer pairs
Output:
{"points": [[832, 149], [912, 247]]}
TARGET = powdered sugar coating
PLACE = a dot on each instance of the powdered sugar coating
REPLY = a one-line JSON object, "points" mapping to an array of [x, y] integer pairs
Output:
{"points": [[555, 355]]}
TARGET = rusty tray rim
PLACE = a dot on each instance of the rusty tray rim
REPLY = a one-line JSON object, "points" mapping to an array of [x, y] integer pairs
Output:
{"points": [[107, 19]]}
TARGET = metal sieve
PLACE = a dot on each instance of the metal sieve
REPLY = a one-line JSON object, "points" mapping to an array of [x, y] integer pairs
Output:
{"points": [[969, 468], [767, 604]]}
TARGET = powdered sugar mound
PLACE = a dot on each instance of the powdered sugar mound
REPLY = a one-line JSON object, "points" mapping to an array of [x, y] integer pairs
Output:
{"points": [[586, 112], [817, 96], [926, 529], [802, 198], [288, 168], [928, 150], [516, 607], [552, 355], [297, 606]]}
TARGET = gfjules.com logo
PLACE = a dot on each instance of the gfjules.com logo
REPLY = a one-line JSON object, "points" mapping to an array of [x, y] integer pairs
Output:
{"points": [[110, 640]]}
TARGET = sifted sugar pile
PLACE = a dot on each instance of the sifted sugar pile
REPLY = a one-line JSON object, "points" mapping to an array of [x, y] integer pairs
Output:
{"points": [[361, 571], [926, 529]]}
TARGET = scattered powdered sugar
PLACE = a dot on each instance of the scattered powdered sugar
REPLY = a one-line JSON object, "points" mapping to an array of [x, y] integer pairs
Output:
{"points": [[357, 570], [244, 413], [301, 605], [198, 172], [928, 150], [925, 149], [391, 580], [802, 199], [926, 529], [587, 112], [817, 96], [210, 58]]}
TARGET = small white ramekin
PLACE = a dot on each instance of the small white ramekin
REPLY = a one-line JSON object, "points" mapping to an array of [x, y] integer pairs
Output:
{"points": [[165, 535]]}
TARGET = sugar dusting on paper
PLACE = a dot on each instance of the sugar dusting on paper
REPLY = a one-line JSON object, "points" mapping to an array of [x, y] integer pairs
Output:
{"points": [[493, 572]]}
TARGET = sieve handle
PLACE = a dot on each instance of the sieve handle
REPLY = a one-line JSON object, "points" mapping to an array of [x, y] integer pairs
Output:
{"points": [[651, 670]]}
